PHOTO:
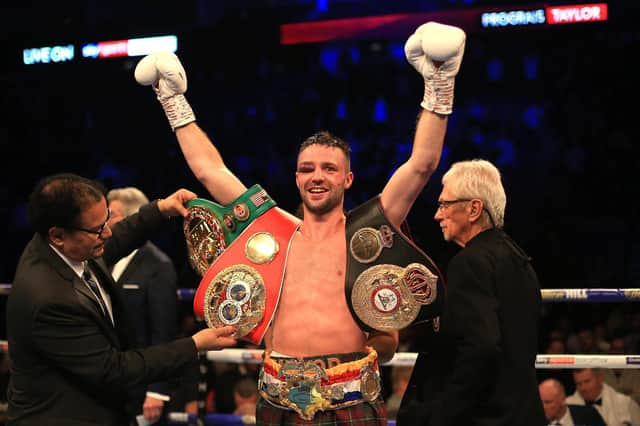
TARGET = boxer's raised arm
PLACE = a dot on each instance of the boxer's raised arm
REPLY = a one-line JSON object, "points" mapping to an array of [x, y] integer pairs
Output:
{"points": [[207, 166], [166, 75], [435, 51]]}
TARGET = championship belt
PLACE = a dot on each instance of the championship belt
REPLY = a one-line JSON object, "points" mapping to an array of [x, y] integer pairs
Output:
{"points": [[210, 227], [391, 283], [306, 385], [242, 285]]}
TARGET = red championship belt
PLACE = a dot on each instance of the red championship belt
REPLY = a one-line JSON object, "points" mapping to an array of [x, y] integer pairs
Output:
{"points": [[242, 286]]}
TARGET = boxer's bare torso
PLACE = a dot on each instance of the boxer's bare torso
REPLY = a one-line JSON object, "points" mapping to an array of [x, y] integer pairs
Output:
{"points": [[312, 316]]}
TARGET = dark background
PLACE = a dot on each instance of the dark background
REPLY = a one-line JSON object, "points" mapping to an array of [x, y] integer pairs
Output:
{"points": [[555, 108]]}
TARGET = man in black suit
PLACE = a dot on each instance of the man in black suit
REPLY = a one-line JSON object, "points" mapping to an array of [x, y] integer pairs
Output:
{"points": [[147, 280], [558, 413], [72, 363], [479, 368]]}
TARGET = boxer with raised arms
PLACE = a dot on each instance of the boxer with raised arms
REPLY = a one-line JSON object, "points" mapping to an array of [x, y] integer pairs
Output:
{"points": [[324, 342]]}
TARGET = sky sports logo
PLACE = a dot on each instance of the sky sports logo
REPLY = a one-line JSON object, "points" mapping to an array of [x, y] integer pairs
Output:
{"points": [[103, 49]]}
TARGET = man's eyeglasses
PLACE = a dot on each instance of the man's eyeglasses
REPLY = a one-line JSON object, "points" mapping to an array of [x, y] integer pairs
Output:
{"points": [[98, 231], [443, 204]]}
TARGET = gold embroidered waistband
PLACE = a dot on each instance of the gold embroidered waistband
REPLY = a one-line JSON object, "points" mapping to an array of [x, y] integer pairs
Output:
{"points": [[306, 385]]}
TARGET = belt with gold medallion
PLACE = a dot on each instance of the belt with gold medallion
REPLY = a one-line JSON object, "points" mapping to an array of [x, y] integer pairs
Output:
{"points": [[240, 249], [311, 384]]}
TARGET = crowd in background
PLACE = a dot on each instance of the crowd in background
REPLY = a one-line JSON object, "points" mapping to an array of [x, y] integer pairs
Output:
{"points": [[535, 103]]}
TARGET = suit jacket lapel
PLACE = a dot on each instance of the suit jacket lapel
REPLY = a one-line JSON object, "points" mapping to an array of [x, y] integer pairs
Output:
{"points": [[131, 267], [86, 297]]}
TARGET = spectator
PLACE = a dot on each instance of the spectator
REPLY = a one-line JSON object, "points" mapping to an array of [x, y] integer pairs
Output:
{"points": [[245, 396], [600, 338], [4, 380], [400, 376], [615, 408], [556, 346], [559, 413], [623, 380], [587, 342], [147, 280]]}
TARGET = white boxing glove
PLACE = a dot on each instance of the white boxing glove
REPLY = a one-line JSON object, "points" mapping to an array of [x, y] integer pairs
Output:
{"points": [[165, 74], [436, 50]]}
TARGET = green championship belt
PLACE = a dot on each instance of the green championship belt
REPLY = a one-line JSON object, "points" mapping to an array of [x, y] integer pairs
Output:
{"points": [[210, 227], [240, 251]]}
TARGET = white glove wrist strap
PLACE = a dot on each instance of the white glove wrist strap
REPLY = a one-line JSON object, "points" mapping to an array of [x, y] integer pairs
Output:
{"points": [[438, 95], [177, 110]]}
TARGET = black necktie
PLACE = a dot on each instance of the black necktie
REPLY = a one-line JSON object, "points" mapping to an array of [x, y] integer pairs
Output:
{"points": [[596, 402], [88, 277]]}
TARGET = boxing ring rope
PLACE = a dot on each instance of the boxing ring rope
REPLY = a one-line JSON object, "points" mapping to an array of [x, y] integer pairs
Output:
{"points": [[543, 361], [5, 289], [590, 295], [407, 359], [587, 295], [548, 295], [403, 359]]}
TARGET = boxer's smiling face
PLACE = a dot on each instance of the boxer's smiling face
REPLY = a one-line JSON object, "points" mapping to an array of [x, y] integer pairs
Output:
{"points": [[322, 177]]}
